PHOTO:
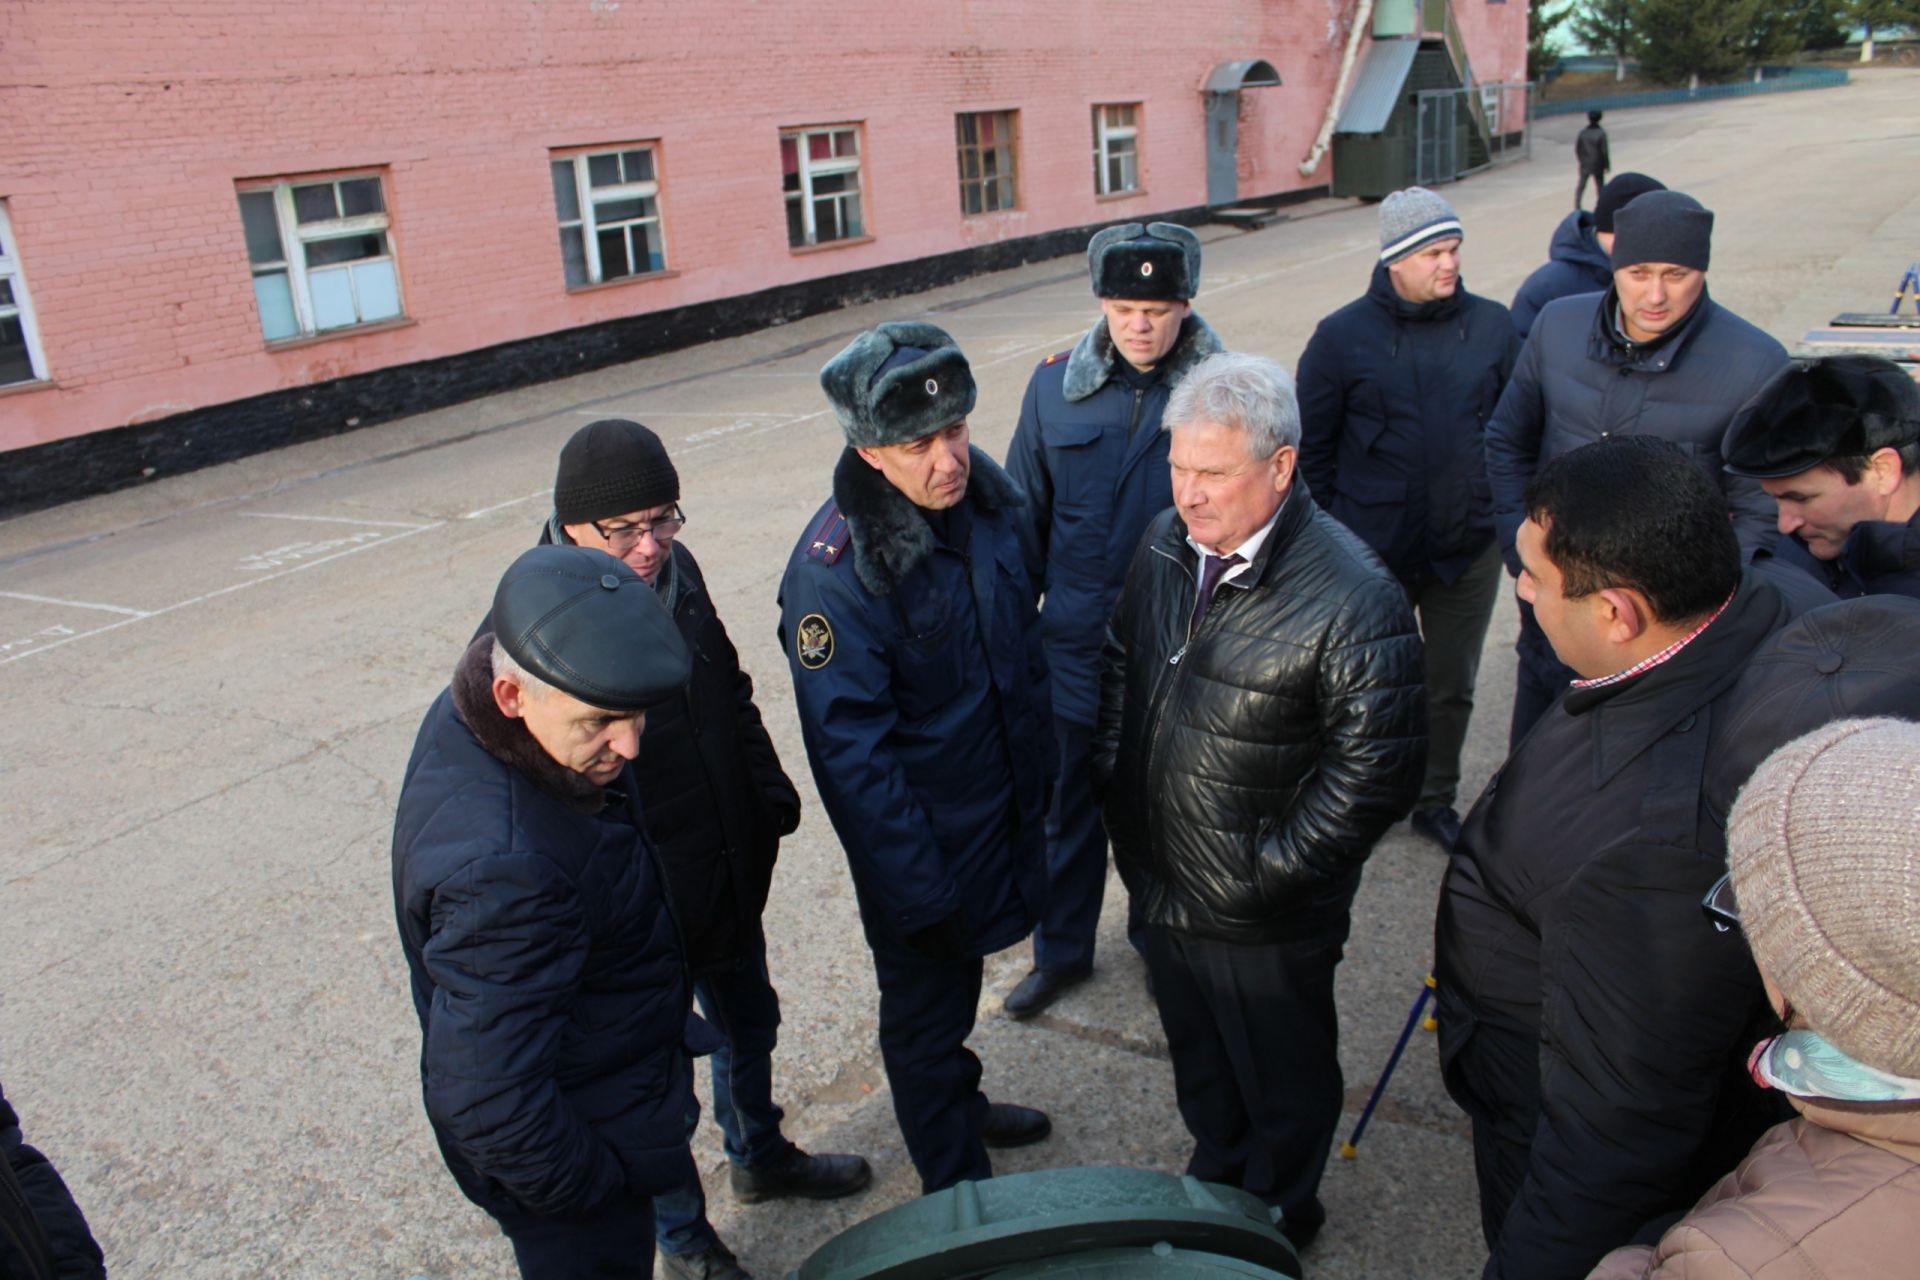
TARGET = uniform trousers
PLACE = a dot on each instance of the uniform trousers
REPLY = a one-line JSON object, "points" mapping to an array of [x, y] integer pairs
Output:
{"points": [[1254, 1039], [742, 1006], [927, 1010], [1076, 861], [613, 1243]]}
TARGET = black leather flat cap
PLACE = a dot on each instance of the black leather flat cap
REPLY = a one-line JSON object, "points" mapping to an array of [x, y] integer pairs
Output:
{"points": [[1815, 409], [589, 626]]}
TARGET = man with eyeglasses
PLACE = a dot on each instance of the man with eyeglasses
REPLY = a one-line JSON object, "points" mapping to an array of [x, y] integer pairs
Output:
{"points": [[716, 803]]}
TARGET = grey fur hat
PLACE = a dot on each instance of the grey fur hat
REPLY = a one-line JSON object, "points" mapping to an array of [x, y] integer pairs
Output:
{"points": [[1155, 262], [898, 382]]}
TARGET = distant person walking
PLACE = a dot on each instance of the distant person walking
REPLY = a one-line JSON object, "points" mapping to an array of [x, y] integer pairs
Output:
{"points": [[1590, 150]]}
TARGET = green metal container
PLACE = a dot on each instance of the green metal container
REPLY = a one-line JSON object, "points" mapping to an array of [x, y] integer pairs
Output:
{"points": [[1060, 1223]]}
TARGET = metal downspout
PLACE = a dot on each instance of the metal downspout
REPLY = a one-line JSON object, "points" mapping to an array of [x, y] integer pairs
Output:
{"points": [[1361, 16]]}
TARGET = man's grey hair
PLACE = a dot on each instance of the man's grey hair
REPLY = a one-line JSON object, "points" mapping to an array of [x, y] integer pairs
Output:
{"points": [[1251, 394], [505, 666]]}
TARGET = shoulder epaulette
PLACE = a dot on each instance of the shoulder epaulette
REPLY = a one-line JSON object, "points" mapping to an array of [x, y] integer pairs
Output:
{"points": [[1056, 357], [830, 538]]}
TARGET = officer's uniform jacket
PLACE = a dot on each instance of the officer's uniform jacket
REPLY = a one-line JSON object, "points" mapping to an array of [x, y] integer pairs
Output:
{"points": [[922, 696], [1092, 460]]}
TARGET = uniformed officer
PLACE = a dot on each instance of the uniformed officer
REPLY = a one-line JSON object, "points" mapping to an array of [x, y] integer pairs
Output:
{"points": [[1091, 456], [907, 616]]}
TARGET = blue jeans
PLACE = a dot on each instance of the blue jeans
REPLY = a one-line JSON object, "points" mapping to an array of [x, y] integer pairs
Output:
{"points": [[742, 1006]]}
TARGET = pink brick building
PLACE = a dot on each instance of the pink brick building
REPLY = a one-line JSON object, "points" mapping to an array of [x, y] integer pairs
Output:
{"points": [[253, 222]]}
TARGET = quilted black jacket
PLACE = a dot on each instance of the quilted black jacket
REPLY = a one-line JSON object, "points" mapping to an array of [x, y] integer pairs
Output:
{"points": [[1247, 775]]}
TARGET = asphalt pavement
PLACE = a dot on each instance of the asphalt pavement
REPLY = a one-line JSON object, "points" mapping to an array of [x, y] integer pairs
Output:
{"points": [[212, 684]]}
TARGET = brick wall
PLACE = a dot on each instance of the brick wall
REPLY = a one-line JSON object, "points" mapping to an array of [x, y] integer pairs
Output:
{"points": [[129, 126]]}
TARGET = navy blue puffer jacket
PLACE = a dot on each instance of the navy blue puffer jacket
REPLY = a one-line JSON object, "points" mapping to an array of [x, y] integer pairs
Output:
{"points": [[546, 968], [1394, 402], [1575, 264]]}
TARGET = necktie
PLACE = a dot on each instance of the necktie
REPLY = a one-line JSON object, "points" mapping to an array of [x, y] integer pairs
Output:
{"points": [[1211, 570]]}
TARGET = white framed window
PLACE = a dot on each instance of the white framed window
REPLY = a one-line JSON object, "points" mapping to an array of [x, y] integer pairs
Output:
{"points": [[985, 142], [820, 170], [321, 253], [1116, 148], [608, 203], [19, 337]]}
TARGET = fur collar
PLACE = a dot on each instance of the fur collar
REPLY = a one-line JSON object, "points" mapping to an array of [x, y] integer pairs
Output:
{"points": [[508, 740], [1091, 363], [890, 537]]}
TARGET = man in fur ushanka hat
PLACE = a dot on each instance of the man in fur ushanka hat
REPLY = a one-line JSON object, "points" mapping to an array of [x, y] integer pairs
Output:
{"points": [[908, 620], [1092, 458]]}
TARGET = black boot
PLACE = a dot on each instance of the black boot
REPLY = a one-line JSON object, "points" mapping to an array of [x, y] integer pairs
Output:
{"points": [[799, 1175]]}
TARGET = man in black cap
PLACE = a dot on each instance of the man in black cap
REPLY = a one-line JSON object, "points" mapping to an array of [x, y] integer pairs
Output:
{"points": [[907, 614], [1590, 153], [1835, 441], [547, 970], [716, 804], [1578, 256], [1653, 355], [1091, 456]]}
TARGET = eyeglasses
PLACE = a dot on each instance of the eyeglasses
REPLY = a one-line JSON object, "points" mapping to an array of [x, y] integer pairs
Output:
{"points": [[624, 537], [1719, 907]]}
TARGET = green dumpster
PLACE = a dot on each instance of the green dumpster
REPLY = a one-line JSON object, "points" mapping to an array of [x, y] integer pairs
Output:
{"points": [[1064, 1223]]}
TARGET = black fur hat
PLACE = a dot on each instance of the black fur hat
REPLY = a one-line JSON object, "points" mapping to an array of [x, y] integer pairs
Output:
{"points": [[1813, 410], [1158, 262], [898, 382]]}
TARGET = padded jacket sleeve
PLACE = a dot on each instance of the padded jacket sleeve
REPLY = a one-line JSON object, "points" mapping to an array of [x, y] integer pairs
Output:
{"points": [[1322, 414], [1513, 447], [848, 712], [1027, 464], [1644, 1008], [505, 955], [1372, 695], [70, 1245]]}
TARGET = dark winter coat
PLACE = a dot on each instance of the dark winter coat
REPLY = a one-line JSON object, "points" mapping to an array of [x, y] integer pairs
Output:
{"points": [[546, 967], [1575, 264], [1879, 558], [922, 694], [1092, 459], [1246, 776], [1394, 402], [716, 800], [1587, 1012], [1579, 380], [1590, 150], [43, 1235]]}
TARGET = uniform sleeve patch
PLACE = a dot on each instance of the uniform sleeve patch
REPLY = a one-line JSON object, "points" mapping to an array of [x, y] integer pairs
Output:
{"points": [[813, 641]]}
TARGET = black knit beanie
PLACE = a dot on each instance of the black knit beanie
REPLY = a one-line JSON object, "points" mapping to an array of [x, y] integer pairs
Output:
{"points": [[1663, 226], [1620, 191], [611, 468]]}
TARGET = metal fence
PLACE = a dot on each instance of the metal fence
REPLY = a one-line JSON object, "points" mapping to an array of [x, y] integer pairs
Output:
{"points": [[1773, 80]]}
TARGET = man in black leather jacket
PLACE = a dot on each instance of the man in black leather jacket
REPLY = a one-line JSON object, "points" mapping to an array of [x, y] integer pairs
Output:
{"points": [[1262, 722]]}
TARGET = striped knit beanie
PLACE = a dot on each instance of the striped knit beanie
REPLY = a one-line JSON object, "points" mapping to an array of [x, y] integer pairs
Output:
{"points": [[1412, 219]]}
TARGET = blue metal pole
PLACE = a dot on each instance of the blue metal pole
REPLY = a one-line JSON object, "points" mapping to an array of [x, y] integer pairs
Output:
{"points": [[1350, 1149]]}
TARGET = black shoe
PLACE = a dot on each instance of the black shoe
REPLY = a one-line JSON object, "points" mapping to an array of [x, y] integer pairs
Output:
{"points": [[1011, 1126], [800, 1175], [1439, 824], [717, 1263], [1041, 988], [1301, 1231]]}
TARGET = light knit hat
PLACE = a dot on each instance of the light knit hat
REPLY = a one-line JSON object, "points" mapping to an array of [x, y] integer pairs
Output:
{"points": [[1824, 847], [1412, 219]]}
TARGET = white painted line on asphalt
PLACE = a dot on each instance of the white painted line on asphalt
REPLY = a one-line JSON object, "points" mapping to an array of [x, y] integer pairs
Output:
{"points": [[76, 604], [385, 524], [223, 591], [502, 506]]}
